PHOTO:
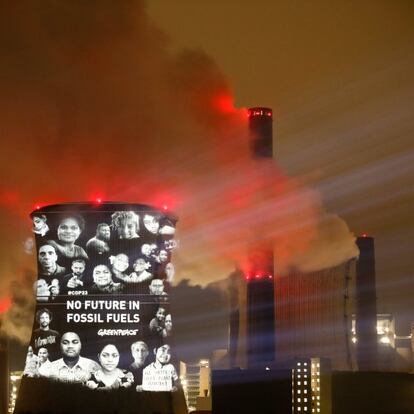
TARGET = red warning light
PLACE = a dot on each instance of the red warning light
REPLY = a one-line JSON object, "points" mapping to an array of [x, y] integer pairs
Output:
{"points": [[257, 276], [165, 207], [37, 207], [99, 200], [270, 276], [364, 235]]}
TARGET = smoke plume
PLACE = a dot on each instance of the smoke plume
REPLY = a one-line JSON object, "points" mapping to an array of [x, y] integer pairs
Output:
{"points": [[94, 104]]}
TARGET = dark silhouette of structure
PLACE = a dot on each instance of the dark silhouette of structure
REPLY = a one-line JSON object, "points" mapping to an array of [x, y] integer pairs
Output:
{"points": [[4, 375], [260, 277], [366, 306]]}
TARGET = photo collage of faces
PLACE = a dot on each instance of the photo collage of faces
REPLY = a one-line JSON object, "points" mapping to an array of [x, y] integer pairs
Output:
{"points": [[106, 258]]}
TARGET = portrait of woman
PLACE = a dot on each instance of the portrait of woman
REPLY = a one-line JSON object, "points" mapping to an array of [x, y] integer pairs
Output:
{"points": [[126, 224], [109, 376], [68, 232], [102, 281]]}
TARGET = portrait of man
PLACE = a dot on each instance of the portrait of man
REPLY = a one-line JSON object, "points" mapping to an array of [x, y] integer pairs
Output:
{"points": [[157, 287], [140, 352], [160, 375], [40, 226], [49, 267], [99, 244], [75, 280], [44, 337], [72, 367]]}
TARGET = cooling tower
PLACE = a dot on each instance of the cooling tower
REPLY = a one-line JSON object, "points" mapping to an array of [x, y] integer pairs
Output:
{"points": [[102, 338]]}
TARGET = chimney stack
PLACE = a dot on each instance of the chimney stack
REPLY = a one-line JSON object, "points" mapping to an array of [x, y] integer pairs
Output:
{"points": [[366, 305], [260, 277]]}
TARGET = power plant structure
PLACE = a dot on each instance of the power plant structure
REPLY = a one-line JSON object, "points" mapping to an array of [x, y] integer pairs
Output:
{"points": [[366, 306], [260, 275], [279, 317]]}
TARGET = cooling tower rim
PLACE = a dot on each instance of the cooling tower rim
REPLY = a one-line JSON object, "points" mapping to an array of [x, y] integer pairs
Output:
{"points": [[104, 206]]}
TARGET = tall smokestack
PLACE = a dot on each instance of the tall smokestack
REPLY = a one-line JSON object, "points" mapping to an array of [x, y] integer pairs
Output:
{"points": [[261, 132], [234, 317], [260, 278], [366, 305], [260, 306]]}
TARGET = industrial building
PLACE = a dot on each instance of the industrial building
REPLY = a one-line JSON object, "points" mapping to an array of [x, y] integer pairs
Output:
{"points": [[196, 381]]}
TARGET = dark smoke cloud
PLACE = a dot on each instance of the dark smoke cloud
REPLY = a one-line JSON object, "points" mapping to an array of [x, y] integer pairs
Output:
{"points": [[93, 103]]}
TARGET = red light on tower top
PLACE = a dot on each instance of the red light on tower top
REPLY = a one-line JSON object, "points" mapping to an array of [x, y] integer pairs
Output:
{"points": [[259, 111], [364, 235]]}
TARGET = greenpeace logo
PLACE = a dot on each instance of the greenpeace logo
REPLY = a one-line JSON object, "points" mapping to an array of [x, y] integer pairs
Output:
{"points": [[117, 332]]}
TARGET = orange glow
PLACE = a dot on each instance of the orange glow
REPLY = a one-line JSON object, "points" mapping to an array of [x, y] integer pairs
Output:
{"points": [[225, 104], [5, 304], [9, 198]]}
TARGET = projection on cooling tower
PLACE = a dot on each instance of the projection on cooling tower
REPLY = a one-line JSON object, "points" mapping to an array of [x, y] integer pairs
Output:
{"points": [[103, 315]]}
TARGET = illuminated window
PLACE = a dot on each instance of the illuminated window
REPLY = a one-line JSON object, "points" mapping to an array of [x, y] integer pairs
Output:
{"points": [[305, 363], [317, 397], [317, 389], [305, 408], [305, 382], [298, 400], [305, 400], [317, 364], [305, 391], [298, 382], [299, 391], [298, 369], [305, 370], [298, 364]]}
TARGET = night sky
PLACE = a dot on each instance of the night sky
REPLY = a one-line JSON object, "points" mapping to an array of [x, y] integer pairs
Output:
{"points": [[130, 102]]}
